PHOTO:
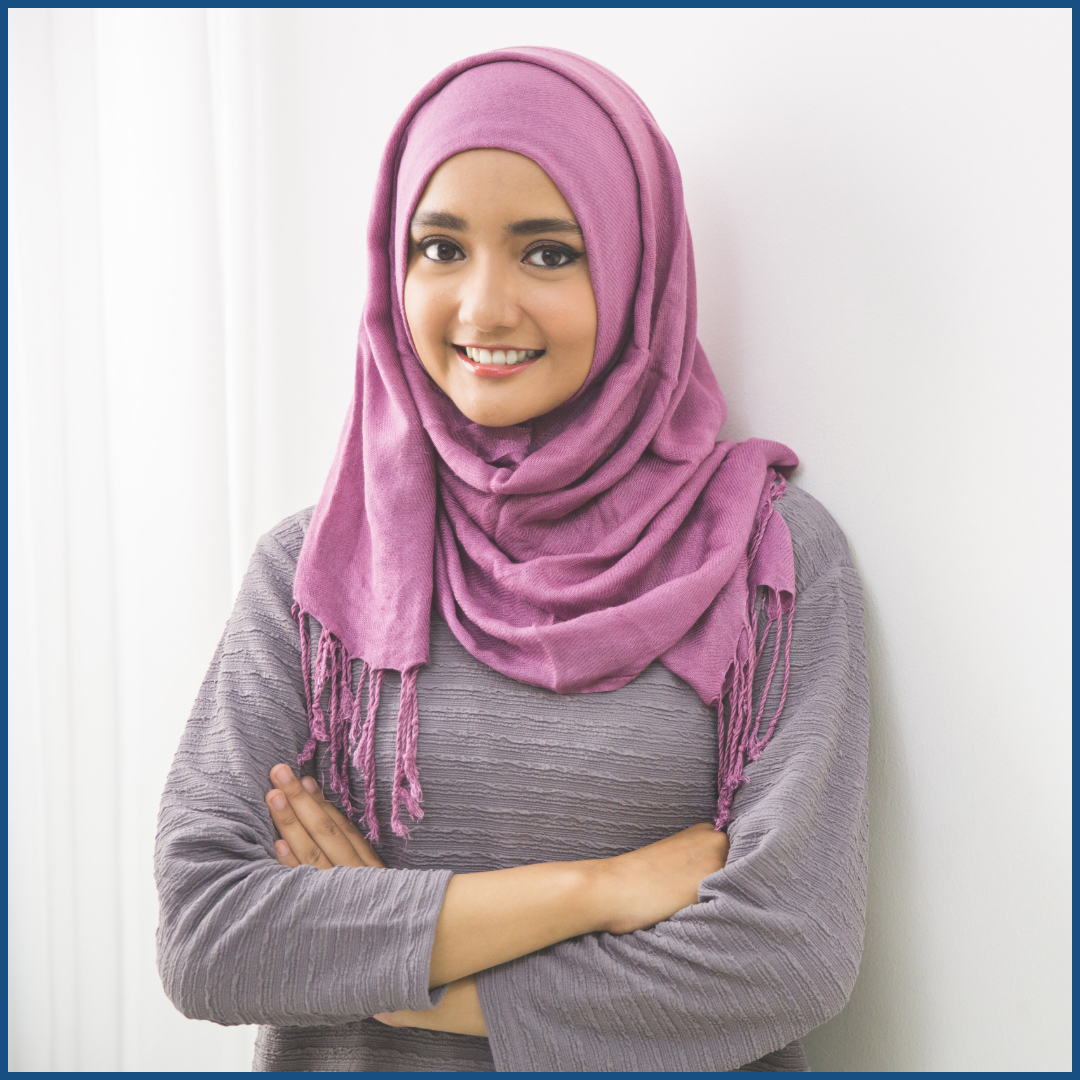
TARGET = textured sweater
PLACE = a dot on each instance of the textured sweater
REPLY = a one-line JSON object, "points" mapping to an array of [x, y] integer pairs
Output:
{"points": [[515, 774]]}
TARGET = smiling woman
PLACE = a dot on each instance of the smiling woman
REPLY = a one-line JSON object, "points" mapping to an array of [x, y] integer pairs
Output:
{"points": [[625, 656], [499, 301]]}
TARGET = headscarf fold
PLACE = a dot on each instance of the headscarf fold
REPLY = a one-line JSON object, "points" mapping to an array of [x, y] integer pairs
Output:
{"points": [[572, 550]]}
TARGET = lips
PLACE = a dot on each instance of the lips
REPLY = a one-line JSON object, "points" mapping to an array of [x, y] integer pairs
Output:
{"points": [[497, 363]]}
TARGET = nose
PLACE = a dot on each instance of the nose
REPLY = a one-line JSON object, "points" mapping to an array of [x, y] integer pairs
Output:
{"points": [[488, 302]]}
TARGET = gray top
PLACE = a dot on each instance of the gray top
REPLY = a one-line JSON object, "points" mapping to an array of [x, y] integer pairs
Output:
{"points": [[516, 774]]}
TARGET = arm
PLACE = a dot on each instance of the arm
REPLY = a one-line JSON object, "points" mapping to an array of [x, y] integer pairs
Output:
{"points": [[772, 948]]}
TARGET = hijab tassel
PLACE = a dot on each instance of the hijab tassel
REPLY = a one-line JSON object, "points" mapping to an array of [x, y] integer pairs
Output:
{"points": [[406, 777], [333, 673], [738, 728], [351, 734], [315, 732], [364, 756]]}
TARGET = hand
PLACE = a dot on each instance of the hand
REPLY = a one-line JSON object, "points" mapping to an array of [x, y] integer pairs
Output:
{"points": [[313, 831], [641, 888], [459, 1011]]}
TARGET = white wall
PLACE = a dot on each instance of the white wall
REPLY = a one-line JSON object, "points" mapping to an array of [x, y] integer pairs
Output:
{"points": [[880, 207]]}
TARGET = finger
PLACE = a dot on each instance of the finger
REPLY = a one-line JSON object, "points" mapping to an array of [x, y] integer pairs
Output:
{"points": [[312, 815], [284, 854], [426, 1019], [355, 837], [292, 831]]}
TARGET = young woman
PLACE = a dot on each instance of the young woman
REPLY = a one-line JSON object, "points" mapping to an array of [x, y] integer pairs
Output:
{"points": [[591, 682]]}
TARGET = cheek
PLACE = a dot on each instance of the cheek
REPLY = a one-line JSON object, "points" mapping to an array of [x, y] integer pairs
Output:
{"points": [[570, 316], [414, 306], [425, 310]]}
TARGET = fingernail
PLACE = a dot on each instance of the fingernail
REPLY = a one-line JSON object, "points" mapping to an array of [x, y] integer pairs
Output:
{"points": [[281, 848], [309, 784], [277, 801], [282, 774]]}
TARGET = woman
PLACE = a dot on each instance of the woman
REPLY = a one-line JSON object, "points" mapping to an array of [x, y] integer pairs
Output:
{"points": [[544, 627]]}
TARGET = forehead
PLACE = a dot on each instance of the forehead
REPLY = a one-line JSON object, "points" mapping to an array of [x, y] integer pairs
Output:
{"points": [[493, 181]]}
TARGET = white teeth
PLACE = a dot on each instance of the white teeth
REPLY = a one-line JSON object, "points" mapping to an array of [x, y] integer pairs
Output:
{"points": [[502, 357]]}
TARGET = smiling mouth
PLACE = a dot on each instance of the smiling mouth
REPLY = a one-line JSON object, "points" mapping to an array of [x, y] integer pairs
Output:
{"points": [[497, 363], [499, 357]]}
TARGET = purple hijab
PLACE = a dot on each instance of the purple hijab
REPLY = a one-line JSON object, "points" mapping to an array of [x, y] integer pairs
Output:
{"points": [[573, 550]]}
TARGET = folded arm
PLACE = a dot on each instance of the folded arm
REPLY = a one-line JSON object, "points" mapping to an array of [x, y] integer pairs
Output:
{"points": [[248, 936], [492, 917]]}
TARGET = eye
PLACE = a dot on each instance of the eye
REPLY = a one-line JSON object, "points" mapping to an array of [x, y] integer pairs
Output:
{"points": [[551, 257], [440, 250]]}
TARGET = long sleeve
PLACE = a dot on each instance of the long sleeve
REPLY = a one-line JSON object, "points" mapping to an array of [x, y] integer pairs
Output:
{"points": [[242, 939], [772, 947]]}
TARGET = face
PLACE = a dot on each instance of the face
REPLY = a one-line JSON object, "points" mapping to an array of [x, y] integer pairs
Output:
{"points": [[497, 294]]}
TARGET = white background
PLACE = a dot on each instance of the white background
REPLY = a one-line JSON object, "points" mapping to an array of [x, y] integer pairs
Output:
{"points": [[880, 207]]}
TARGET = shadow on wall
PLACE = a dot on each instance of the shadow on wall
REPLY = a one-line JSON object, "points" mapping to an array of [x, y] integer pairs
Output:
{"points": [[884, 1025]]}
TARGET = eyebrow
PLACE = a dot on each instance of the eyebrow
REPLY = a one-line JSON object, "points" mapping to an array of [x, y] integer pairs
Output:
{"points": [[438, 219], [547, 224]]}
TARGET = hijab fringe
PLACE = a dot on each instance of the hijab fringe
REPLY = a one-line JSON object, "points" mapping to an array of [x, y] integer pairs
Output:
{"points": [[364, 755], [406, 777], [738, 729], [351, 735]]}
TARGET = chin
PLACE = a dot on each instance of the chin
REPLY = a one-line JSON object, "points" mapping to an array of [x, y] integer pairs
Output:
{"points": [[482, 410], [494, 413], [493, 417]]}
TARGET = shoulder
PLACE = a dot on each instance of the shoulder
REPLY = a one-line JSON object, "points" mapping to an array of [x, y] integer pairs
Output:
{"points": [[287, 536], [818, 543], [273, 563]]}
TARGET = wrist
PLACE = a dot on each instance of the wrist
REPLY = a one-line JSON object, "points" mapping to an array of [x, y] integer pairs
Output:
{"points": [[599, 894]]}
